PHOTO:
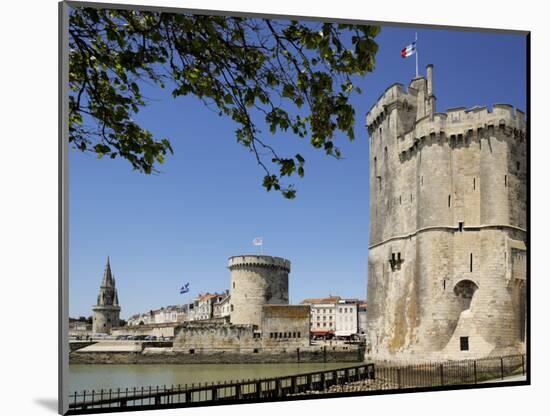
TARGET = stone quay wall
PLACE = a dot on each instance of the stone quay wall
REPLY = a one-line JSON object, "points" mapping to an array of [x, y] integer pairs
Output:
{"points": [[158, 330], [218, 356]]}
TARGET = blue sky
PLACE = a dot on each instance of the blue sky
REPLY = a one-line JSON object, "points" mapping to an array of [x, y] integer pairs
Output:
{"points": [[208, 203]]}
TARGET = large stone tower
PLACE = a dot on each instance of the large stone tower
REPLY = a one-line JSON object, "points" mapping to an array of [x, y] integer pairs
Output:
{"points": [[447, 254], [107, 310], [256, 281]]}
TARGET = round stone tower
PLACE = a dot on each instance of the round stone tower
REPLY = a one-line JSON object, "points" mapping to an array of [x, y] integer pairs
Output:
{"points": [[256, 281]]}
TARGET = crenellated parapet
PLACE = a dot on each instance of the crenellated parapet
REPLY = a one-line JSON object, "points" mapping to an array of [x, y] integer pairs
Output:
{"points": [[254, 261], [459, 126], [395, 96]]}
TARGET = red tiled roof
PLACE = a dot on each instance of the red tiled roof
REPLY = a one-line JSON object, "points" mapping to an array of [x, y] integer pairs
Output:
{"points": [[207, 296], [328, 299]]}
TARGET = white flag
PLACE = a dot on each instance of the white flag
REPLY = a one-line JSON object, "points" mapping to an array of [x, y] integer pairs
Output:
{"points": [[258, 241]]}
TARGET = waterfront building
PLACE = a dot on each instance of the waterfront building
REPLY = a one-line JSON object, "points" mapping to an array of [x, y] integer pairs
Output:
{"points": [[345, 318], [203, 306], [107, 310], [78, 328], [222, 308], [163, 315], [323, 316]]}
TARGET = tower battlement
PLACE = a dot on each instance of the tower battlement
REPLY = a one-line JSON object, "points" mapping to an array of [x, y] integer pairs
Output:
{"points": [[460, 126], [252, 260], [395, 93], [411, 106]]}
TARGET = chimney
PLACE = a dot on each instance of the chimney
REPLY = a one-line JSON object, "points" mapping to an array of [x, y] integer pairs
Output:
{"points": [[429, 71], [430, 96]]}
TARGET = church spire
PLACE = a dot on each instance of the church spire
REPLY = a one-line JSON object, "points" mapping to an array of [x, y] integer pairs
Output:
{"points": [[107, 275], [107, 309]]}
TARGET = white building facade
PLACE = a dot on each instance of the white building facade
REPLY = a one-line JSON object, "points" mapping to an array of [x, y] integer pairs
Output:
{"points": [[346, 318], [322, 316], [164, 315], [222, 308], [203, 306]]}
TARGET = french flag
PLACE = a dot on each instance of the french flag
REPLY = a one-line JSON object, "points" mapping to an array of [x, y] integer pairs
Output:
{"points": [[408, 50]]}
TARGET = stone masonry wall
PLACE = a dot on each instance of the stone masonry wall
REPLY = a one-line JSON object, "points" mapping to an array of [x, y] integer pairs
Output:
{"points": [[285, 325], [202, 337], [105, 318]]}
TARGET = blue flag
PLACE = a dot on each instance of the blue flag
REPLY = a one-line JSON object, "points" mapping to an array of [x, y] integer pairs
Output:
{"points": [[184, 289]]}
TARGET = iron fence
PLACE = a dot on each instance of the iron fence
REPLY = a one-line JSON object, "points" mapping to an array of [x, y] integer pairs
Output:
{"points": [[449, 373], [256, 389], [365, 377]]}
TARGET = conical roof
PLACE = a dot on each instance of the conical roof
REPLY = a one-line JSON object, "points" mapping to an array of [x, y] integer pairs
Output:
{"points": [[107, 275]]}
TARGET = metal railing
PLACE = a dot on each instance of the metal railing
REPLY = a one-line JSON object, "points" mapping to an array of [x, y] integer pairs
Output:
{"points": [[449, 373], [182, 395], [365, 377]]}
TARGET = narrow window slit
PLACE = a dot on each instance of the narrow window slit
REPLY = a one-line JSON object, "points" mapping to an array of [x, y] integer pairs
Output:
{"points": [[464, 344]]}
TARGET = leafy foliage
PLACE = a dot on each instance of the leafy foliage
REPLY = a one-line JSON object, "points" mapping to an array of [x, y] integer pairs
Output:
{"points": [[297, 76]]}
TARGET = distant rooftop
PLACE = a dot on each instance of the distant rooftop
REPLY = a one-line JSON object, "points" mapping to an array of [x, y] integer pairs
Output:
{"points": [[328, 299]]}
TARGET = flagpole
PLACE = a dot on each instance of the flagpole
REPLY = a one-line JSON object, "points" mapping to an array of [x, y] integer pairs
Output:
{"points": [[416, 51]]}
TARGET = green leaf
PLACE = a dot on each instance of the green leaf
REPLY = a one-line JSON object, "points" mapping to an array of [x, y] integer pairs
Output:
{"points": [[288, 91], [226, 64]]}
